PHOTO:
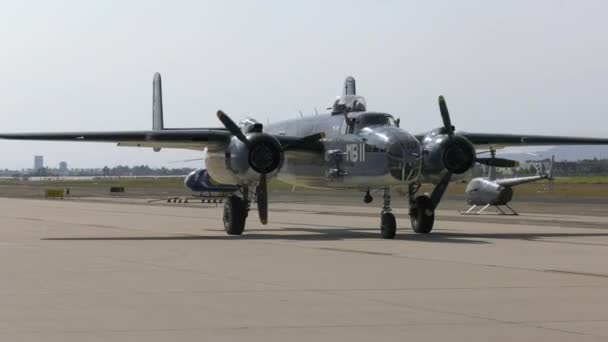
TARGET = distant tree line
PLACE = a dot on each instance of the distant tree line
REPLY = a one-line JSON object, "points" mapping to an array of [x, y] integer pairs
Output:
{"points": [[581, 168], [144, 170], [121, 170]]}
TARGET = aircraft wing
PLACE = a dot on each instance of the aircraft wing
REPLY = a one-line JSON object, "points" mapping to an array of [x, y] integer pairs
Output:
{"points": [[504, 140], [191, 139], [187, 139]]}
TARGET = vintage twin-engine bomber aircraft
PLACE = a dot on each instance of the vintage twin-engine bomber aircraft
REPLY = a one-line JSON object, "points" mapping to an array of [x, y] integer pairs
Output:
{"points": [[350, 147]]}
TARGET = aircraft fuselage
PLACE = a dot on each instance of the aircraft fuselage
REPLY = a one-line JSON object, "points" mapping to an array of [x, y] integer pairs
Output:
{"points": [[366, 152]]}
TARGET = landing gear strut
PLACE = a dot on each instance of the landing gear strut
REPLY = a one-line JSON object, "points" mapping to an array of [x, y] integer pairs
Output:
{"points": [[388, 225], [422, 208], [236, 210], [422, 211]]}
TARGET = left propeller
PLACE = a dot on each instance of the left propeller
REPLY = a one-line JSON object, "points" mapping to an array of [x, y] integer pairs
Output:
{"points": [[445, 116]]}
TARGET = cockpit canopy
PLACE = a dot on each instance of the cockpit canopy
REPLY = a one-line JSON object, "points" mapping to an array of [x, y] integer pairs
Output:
{"points": [[364, 120], [349, 104]]}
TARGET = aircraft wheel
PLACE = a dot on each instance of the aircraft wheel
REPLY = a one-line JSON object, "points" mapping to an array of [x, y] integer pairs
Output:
{"points": [[422, 215], [235, 214], [388, 225]]}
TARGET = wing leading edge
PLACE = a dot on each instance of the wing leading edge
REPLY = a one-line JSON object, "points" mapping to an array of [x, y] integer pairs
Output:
{"points": [[186, 139], [191, 139], [503, 140]]}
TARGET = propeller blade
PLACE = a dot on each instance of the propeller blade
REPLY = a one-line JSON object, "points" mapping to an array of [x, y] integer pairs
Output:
{"points": [[232, 127], [262, 197], [445, 116], [498, 162]]}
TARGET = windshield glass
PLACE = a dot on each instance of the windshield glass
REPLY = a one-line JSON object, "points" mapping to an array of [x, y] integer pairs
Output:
{"points": [[367, 120]]}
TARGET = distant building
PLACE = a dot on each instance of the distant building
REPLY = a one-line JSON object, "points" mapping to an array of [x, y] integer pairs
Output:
{"points": [[63, 168], [38, 163]]}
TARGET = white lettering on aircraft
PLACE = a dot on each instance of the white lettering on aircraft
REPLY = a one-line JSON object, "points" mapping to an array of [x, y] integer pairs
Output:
{"points": [[355, 152]]}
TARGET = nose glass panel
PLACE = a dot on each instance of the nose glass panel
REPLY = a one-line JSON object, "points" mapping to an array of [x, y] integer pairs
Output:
{"points": [[396, 156], [403, 155]]}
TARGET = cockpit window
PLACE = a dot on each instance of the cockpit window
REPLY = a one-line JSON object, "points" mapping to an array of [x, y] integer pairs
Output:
{"points": [[367, 120]]}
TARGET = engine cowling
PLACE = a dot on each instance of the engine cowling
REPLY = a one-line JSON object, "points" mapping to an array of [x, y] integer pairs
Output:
{"points": [[265, 153], [455, 154], [243, 164]]}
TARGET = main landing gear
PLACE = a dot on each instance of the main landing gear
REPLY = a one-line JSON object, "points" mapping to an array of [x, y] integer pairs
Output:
{"points": [[422, 208], [236, 210], [422, 214]]}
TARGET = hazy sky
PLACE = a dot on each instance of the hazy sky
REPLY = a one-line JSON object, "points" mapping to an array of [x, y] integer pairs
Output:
{"points": [[504, 66]]}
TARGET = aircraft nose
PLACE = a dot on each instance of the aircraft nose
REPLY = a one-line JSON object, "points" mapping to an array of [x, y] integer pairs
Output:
{"points": [[403, 152]]}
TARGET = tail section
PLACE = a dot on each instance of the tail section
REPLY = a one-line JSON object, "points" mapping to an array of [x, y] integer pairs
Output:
{"points": [[157, 106], [544, 171], [492, 173], [550, 175], [349, 86]]}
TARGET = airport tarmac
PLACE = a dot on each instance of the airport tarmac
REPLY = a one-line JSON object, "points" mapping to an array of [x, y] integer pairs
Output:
{"points": [[109, 271]]}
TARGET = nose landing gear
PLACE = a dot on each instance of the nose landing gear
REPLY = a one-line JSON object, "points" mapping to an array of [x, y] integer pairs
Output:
{"points": [[388, 224], [236, 210]]}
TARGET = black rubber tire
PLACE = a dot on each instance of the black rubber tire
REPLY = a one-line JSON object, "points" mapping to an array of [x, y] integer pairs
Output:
{"points": [[235, 215], [388, 225], [422, 222]]}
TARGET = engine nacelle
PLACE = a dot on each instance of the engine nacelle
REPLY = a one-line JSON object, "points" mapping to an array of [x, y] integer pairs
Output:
{"points": [[441, 152], [243, 163]]}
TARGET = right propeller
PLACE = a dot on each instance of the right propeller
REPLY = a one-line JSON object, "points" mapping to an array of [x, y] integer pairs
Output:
{"points": [[265, 156]]}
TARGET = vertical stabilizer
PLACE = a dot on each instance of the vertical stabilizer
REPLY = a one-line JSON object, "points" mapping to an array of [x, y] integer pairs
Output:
{"points": [[492, 173], [492, 169], [551, 173], [157, 104], [349, 86]]}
